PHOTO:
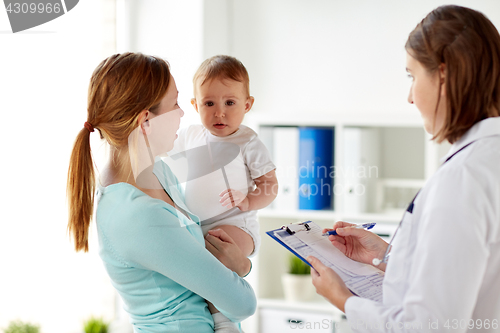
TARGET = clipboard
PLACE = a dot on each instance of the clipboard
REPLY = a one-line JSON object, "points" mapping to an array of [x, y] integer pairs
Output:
{"points": [[305, 238], [290, 231]]}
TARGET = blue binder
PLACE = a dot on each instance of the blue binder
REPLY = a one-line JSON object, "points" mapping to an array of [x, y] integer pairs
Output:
{"points": [[315, 168]]}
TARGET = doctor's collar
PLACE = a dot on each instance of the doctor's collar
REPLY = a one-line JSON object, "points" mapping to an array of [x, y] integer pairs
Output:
{"points": [[484, 128]]}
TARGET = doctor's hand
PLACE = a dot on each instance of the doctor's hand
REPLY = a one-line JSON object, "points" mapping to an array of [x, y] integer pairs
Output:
{"points": [[233, 198], [358, 244], [329, 284], [223, 247]]}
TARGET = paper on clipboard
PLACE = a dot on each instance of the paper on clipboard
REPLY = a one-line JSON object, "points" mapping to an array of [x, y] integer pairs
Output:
{"points": [[362, 279]]}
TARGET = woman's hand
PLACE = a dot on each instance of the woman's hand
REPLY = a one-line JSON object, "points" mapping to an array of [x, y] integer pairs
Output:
{"points": [[223, 247], [358, 244], [233, 198], [328, 284]]}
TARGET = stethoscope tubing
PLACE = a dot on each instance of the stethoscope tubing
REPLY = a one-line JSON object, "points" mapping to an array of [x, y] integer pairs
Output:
{"points": [[409, 210]]}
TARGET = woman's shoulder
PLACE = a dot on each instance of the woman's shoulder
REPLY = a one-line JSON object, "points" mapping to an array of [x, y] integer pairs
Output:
{"points": [[124, 204], [128, 219], [479, 160], [470, 178], [476, 153]]}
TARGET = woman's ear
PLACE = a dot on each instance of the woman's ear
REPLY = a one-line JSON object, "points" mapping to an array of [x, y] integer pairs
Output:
{"points": [[143, 122], [442, 73], [249, 103], [442, 78]]}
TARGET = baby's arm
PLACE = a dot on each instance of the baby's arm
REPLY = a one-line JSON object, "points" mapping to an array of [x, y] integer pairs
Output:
{"points": [[262, 196]]}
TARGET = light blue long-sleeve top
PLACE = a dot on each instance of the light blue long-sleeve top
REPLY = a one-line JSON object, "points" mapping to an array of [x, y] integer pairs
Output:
{"points": [[157, 261]]}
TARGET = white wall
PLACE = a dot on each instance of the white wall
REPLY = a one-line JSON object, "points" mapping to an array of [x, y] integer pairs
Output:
{"points": [[44, 77], [169, 29], [331, 57]]}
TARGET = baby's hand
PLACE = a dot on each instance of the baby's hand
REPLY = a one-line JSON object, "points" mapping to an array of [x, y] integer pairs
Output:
{"points": [[233, 198]]}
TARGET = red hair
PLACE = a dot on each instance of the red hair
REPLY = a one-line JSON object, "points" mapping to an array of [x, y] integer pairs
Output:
{"points": [[121, 87]]}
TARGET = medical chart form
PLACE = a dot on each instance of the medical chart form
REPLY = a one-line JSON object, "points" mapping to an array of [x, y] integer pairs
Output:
{"points": [[362, 279]]}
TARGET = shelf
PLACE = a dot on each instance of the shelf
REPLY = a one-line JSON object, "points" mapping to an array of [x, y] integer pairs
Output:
{"points": [[265, 119], [313, 306], [392, 217], [318, 215], [406, 183], [303, 215]]}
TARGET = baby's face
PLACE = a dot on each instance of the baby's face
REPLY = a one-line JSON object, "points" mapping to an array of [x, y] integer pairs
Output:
{"points": [[222, 104]]}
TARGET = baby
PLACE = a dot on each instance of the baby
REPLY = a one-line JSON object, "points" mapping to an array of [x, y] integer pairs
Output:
{"points": [[241, 176], [222, 97]]}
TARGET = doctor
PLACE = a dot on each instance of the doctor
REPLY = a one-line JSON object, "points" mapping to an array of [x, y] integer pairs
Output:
{"points": [[442, 274]]}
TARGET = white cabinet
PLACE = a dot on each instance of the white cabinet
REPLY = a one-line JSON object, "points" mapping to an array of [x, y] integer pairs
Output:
{"points": [[379, 165], [316, 317], [396, 156], [284, 320]]}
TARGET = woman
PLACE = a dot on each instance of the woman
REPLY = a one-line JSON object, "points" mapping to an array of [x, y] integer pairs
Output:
{"points": [[445, 260], [151, 245]]}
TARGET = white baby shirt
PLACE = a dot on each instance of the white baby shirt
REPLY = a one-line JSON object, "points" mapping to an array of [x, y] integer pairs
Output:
{"points": [[217, 162]]}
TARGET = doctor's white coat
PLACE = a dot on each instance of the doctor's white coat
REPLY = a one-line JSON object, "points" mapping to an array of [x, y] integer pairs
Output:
{"points": [[443, 274]]}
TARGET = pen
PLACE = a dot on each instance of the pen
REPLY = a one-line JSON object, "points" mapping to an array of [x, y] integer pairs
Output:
{"points": [[366, 226]]}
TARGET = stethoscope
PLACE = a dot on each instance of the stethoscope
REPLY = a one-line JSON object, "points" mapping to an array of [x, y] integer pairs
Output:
{"points": [[409, 210]]}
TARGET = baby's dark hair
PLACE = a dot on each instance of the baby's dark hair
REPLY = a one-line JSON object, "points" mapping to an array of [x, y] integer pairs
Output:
{"points": [[222, 67]]}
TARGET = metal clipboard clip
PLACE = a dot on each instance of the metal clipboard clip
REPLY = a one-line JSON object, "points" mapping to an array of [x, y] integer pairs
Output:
{"points": [[295, 227]]}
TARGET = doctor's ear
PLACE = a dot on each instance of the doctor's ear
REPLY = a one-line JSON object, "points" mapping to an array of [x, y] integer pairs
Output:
{"points": [[442, 73], [442, 79]]}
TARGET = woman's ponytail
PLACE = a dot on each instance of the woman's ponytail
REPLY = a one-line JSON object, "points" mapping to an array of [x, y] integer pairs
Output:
{"points": [[80, 190], [121, 87]]}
